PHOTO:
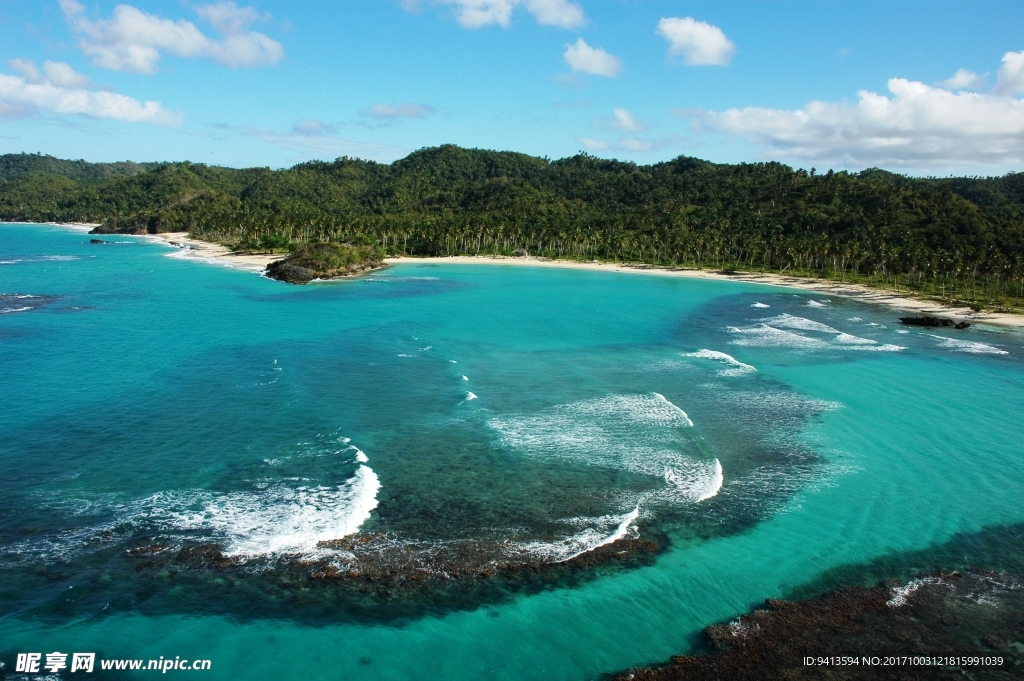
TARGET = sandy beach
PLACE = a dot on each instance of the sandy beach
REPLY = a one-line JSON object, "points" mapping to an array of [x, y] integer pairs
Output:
{"points": [[195, 249], [215, 253]]}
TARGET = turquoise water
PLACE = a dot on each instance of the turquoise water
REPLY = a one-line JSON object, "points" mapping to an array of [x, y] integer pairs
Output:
{"points": [[455, 418]]}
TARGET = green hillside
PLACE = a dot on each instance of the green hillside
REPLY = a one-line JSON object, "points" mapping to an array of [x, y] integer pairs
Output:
{"points": [[959, 238]]}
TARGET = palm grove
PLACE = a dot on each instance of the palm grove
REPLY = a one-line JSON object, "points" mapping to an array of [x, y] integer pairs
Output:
{"points": [[957, 238]]}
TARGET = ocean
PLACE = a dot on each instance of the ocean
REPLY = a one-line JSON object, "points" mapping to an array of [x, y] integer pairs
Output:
{"points": [[466, 471]]}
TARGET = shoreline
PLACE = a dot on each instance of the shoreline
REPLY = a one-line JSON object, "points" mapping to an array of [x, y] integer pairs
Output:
{"points": [[824, 286], [206, 251]]}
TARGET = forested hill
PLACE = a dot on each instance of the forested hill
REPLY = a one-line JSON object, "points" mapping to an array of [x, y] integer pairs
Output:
{"points": [[958, 237], [13, 166]]}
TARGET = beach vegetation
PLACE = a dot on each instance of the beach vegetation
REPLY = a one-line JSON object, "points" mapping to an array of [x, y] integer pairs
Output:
{"points": [[951, 239]]}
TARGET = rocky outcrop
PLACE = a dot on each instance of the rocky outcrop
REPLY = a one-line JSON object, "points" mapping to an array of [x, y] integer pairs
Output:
{"points": [[325, 261], [294, 273], [929, 320]]}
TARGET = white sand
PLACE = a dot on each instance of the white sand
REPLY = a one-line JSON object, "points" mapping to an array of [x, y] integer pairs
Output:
{"points": [[194, 249]]}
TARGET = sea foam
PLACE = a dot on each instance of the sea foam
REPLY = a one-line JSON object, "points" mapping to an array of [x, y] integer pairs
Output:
{"points": [[788, 321], [563, 550], [765, 336], [972, 347], [734, 366], [695, 483], [281, 520], [641, 434]]}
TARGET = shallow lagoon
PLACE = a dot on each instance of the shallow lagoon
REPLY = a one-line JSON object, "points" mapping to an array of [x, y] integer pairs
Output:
{"points": [[150, 401]]}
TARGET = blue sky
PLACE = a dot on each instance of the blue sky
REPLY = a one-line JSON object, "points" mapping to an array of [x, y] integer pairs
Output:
{"points": [[920, 87]]}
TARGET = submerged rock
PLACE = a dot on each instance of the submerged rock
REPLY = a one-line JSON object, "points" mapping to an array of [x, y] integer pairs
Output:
{"points": [[869, 633], [929, 320]]}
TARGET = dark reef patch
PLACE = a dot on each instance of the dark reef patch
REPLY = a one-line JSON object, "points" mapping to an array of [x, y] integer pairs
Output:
{"points": [[23, 302], [977, 616], [843, 612]]}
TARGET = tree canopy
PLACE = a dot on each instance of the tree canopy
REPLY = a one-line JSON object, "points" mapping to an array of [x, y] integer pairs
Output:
{"points": [[957, 236]]}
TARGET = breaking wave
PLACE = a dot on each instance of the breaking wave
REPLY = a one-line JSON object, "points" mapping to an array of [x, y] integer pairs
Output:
{"points": [[563, 550], [764, 336], [771, 333], [276, 518], [972, 347], [788, 321], [279, 520], [641, 434], [695, 483], [734, 366]]}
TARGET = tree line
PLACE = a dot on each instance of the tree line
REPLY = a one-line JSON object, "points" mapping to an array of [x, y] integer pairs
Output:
{"points": [[952, 238]]}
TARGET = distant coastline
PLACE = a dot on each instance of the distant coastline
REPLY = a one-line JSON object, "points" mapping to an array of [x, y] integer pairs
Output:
{"points": [[204, 250], [197, 249], [823, 286]]}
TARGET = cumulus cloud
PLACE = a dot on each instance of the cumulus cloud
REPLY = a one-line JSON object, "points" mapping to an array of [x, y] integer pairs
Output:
{"points": [[697, 42], [133, 40], [628, 144], [60, 89], [620, 120], [593, 60], [964, 80], [402, 110], [915, 126], [479, 13], [1010, 79]]}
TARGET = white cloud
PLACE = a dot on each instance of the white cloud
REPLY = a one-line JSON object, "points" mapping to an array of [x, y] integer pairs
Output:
{"points": [[621, 120], [479, 13], [312, 128], [402, 110], [27, 68], [917, 126], [132, 40], [1011, 74], [593, 60], [322, 144], [628, 144], [591, 144], [697, 42], [62, 75], [62, 90], [964, 80], [561, 13]]}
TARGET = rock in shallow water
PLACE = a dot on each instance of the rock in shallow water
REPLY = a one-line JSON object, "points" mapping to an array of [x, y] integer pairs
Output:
{"points": [[928, 320], [869, 633]]}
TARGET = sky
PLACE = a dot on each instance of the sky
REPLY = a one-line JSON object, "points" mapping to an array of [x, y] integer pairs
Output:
{"points": [[925, 88]]}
